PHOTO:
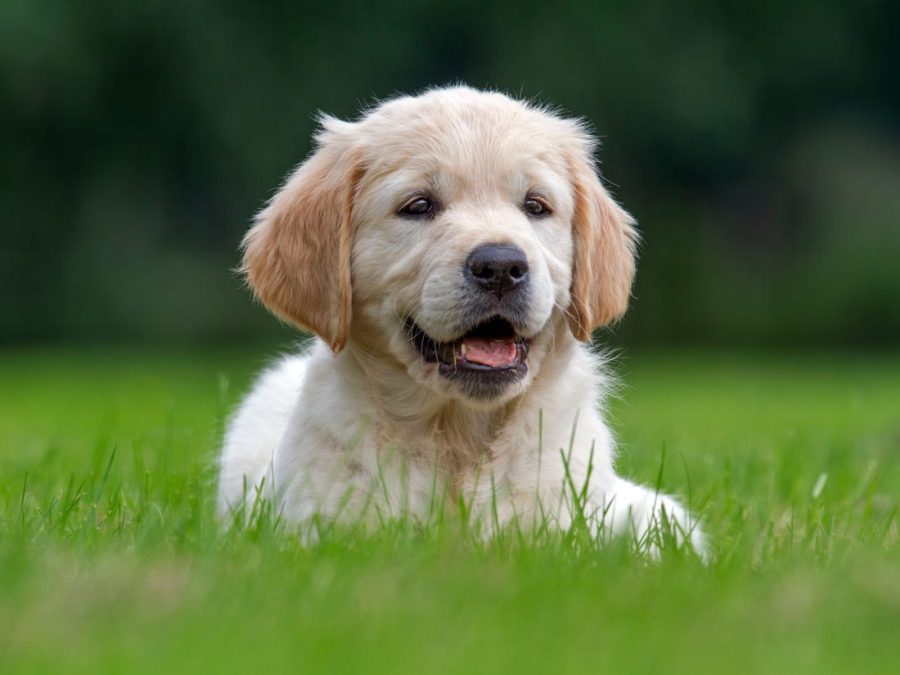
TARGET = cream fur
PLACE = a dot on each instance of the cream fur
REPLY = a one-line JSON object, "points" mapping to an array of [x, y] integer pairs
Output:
{"points": [[360, 426]]}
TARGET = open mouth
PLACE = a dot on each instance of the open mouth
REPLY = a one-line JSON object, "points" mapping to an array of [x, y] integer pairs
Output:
{"points": [[484, 359]]}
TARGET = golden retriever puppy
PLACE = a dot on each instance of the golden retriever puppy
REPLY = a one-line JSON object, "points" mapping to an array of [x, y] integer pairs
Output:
{"points": [[453, 253]]}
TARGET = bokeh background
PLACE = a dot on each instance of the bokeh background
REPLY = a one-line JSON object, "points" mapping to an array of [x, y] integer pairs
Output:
{"points": [[758, 145]]}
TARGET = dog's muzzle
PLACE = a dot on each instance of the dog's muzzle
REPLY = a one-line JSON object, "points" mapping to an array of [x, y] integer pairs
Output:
{"points": [[491, 351], [483, 361]]}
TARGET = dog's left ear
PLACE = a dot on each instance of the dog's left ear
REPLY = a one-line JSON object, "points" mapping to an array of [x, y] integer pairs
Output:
{"points": [[297, 254], [605, 240]]}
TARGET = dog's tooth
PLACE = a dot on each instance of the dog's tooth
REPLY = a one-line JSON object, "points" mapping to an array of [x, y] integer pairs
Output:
{"points": [[462, 349]]}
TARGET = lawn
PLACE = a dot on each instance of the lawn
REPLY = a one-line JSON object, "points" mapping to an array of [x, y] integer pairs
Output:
{"points": [[111, 559]]}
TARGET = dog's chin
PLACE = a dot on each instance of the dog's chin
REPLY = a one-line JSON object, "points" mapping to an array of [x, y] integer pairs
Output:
{"points": [[488, 363]]}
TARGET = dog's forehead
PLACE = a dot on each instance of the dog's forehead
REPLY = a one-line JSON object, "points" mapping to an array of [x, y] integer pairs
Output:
{"points": [[465, 134]]}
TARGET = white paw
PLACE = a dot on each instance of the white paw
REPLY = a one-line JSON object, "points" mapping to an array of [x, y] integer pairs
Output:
{"points": [[652, 519]]}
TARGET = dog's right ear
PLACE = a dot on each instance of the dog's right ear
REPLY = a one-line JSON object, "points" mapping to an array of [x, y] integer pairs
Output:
{"points": [[297, 254]]}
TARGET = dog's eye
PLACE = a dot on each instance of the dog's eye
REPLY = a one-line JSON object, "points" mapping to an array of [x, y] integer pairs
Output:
{"points": [[418, 207], [535, 207]]}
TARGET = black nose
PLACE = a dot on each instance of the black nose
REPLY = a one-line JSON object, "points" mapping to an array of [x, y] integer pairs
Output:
{"points": [[498, 268]]}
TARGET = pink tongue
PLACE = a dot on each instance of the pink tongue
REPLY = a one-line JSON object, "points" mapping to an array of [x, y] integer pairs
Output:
{"points": [[493, 353]]}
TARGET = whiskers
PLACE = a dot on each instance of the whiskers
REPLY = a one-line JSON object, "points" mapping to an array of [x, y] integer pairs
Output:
{"points": [[405, 317]]}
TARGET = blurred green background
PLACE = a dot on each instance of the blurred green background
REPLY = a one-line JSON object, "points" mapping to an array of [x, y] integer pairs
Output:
{"points": [[758, 145]]}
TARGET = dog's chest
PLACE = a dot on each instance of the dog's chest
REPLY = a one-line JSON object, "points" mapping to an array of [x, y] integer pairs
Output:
{"points": [[448, 456]]}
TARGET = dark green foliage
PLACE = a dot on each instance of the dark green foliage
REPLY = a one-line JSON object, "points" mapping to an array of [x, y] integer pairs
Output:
{"points": [[756, 144]]}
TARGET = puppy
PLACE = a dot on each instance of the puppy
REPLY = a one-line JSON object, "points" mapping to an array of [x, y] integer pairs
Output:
{"points": [[453, 253]]}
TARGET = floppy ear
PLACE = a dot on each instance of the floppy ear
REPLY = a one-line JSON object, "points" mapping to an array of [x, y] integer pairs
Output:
{"points": [[604, 258], [297, 254]]}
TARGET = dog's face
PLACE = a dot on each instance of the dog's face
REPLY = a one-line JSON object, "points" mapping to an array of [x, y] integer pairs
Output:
{"points": [[455, 233]]}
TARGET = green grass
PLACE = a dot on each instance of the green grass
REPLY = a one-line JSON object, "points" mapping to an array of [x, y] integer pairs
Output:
{"points": [[111, 560]]}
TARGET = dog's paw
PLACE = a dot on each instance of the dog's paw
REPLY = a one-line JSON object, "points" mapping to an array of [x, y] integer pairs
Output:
{"points": [[653, 519]]}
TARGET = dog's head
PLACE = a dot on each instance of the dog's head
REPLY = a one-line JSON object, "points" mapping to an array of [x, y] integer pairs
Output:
{"points": [[456, 233]]}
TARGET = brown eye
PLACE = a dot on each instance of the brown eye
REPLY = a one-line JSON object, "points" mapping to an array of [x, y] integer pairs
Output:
{"points": [[418, 207], [535, 207]]}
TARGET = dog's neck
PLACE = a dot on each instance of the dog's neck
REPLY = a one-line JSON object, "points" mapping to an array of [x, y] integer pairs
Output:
{"points": [[415, 411], [414, 415]]}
